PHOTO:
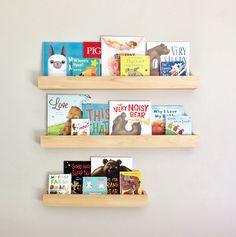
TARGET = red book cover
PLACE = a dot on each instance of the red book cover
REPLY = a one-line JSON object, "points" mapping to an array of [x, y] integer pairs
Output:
{"points": [[92, 49]]}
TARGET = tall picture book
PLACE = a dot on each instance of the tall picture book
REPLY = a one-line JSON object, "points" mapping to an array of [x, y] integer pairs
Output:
{"points": [[78, 170], [58, 56], [168, 58], [111, 167], [61, 109], [114, 47], [59, 184], [94, 185], [130, 118], [158, 116], [98, 114]]}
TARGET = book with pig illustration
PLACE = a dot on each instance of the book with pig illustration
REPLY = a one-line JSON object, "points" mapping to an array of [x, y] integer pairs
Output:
{"points": [[168, 58], [158, 116], [98, 114], [59, 184], [130, 118], [94, 185], [61, 109], [178, 125], [111, 167], [114, 47], [80, 127], [78, 170]]}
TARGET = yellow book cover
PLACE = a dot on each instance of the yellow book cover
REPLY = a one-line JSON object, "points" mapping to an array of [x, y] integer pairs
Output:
{"points": [[135, 65], [130, 182]]}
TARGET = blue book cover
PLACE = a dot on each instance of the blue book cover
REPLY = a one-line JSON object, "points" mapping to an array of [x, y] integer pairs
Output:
{"points": [[86, 67], [173, 69], [94, 185], [58, 56], [98, 114]]}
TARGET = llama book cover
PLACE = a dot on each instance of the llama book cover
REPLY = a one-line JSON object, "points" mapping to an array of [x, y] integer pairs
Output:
{"points": [[134, 65], [94, 185], [61, 109], [114, 47], [98, 114], [168, 58], [59, 184], [130, 182], [80, 127], [158, 116], [58, 56], [78, 170], [92, 49], [130, 118], [178, 125], [111, 167]]}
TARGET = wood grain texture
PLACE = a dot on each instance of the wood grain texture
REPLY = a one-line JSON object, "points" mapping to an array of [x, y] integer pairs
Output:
{"points": [[94, 200], [117, 83]]}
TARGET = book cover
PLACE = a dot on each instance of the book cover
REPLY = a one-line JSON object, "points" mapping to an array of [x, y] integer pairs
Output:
{"points": [[175, 68], [178, 125], [85, 67], [57, 57], [61, 109], [94, 185], [80, 127], [114, 47], [131, 182], [134, 65], [92, 49], [78, 170], [59, 184], [130, 118], [160, 52], [98, 114], [110, 167]]}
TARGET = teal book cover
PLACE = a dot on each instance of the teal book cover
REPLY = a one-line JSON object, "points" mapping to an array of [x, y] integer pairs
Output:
{"points": [[94, 185], [86, 67]]}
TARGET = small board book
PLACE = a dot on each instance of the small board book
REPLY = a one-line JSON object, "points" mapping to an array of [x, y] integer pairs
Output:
{"points": [[78, 170], [59, 184], [158, 116], [57, 57], [80, 127], [61, 109], [110, 167], [178, 125], [85, 67], [98, 114], [130, 182], [94, 185], [175, 68], [130, 118], [167, 52], [92, 49], [114, 47], [134, 65]]}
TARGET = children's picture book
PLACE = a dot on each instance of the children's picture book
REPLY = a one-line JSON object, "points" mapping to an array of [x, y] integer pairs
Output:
{"points": [[158, 116], [94, 185], [130, 118], [57, 57], [114, 47], [59, 184], [178, 125], [61, 109], [80, 127], [92, 49], [173, 54], [98, 114], [130, 182], [78, 170], [134, 65], [85, 67], [111, 167]]}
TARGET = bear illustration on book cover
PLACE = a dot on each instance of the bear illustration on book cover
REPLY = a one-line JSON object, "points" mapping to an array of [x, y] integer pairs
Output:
{"points": [[111, 167]]}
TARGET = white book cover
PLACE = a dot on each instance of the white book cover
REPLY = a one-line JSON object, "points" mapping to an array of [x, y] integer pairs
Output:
{"points": [[80, 127], [59, 184]]}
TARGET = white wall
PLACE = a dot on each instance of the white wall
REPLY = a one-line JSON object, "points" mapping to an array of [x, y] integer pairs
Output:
{"points": [[191, 191]]}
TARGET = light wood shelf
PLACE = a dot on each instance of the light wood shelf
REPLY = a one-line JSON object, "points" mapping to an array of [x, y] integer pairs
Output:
{"points": [[162, 141], [94, 200], [117, 83]]}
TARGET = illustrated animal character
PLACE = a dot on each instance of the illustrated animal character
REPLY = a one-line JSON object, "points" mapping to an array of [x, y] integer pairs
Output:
{"points": [[155, 58], [133, 72], [74, 113], [119, 124], [110, 168], [130, 184], [90, 71], [57, 64], [158, 128]]}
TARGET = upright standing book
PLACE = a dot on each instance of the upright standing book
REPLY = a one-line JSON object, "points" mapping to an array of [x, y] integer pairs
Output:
{"points": [[59, 184], [94, 185]]}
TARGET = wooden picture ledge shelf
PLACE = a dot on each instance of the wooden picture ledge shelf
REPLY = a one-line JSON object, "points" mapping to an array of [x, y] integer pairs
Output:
{"points": [[118, 83], [94, 200], [161, 141]]}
